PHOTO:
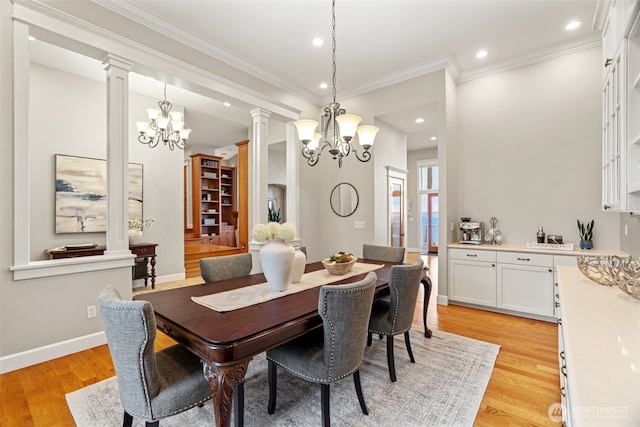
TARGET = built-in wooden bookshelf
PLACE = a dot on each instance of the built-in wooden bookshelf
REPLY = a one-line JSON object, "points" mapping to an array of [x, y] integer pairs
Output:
{"points": [[213, 198]]}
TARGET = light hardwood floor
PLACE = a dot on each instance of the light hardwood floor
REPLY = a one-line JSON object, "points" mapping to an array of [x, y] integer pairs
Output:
{"points": [[524, 382]]}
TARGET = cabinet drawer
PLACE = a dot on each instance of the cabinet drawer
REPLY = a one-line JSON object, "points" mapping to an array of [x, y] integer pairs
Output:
{"points": [[523, 258], [472, 255]]}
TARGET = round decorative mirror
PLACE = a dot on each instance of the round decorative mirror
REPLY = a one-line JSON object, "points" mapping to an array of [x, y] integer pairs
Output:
{"points": [[344, 199]]}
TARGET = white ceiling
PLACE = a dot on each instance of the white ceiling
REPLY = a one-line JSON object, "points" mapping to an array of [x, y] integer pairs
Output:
{"points": [[378, 42]]}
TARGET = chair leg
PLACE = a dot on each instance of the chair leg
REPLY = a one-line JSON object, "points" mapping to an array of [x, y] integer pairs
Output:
{"points": [[390, 360], [356, 380], [153, 424], [369, 339], [272, 378], [324, 400], [408, 343], [127, 420], [238, 405]]}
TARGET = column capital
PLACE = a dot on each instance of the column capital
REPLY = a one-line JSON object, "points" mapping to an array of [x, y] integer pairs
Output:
{"points": [[260, 112], [110, 60]]}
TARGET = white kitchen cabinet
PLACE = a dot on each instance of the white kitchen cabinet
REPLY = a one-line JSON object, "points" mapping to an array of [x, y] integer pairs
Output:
{"points": [[613, 131], [472, 276], [633, 124], [620, 105], [559, 260], [525, 283], [599, 348]]}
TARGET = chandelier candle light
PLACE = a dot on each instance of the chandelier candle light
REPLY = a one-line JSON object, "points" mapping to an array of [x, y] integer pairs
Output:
{"points": [[338, 128], [164, 125]]}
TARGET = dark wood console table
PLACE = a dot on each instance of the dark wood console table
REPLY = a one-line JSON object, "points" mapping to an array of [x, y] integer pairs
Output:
{"points": [[145, 254]]}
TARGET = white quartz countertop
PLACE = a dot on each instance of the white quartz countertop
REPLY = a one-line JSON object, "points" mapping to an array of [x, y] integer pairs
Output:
{"points": [[513, 247], [601, 330]]}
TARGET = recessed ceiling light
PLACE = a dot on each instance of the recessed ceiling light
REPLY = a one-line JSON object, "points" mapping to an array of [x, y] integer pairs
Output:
{"points": [[323, 85], [318, 41], [481, 53], [433, 138], [226, 104], [572, 25], [420, 120]]}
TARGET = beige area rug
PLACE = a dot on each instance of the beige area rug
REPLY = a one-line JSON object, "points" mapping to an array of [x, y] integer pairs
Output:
{"points": [[443, 388]]}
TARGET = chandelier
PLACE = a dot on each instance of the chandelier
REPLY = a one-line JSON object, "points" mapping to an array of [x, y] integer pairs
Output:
{"points": [[164, 125], [338, 128]]}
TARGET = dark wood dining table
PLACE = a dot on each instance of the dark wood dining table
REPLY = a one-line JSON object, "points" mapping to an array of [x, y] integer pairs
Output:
{"points": [[227, 341]]}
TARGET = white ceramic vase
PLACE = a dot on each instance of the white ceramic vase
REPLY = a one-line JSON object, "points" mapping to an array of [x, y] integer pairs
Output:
{"points": [[134, 235], [276, 259], [299, 262]]}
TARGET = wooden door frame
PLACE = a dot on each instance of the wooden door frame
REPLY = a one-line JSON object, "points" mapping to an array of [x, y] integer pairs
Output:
{"points": [[430, 247], [400, 175]]}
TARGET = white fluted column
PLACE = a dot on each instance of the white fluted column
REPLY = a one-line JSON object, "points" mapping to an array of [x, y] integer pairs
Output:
{"points": [[117, 153]]}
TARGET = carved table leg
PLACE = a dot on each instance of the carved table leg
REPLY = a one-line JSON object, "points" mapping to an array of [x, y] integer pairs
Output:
{"points": [[426, 282], [223, 380], [153, 272]]}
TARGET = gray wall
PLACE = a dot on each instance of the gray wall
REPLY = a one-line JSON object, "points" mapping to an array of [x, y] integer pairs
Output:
{"points": [[75, 108], [529, 150]]}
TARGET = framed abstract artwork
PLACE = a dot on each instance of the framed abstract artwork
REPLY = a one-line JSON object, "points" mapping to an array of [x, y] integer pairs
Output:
{"points": [[81, 194]]}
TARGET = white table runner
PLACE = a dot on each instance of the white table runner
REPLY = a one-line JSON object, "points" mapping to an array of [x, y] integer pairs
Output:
{"points": [[255, 294]]}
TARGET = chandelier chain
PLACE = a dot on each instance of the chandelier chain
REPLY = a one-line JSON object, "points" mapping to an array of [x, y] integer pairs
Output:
{"points": [[338, 128], [333, 46]]}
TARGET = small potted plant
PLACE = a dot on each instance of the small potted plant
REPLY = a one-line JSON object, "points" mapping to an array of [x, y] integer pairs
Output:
{"points": [[586, 234]]}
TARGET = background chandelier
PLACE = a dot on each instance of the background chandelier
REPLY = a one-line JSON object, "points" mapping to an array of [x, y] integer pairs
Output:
{"points": [[164, 125], [338, 128]]}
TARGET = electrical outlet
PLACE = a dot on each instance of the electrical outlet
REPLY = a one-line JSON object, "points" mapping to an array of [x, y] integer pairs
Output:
{"points": [[358, 224], [91, 311]]}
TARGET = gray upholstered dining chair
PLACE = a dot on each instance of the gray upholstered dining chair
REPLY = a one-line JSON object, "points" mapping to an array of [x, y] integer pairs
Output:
{"points": [[393, 316], [225, 267], [152, 385], [383, 253], [334, 351]]}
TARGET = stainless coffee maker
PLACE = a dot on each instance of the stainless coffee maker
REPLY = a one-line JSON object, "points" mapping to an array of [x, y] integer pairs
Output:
{"points": [[470, 232]]}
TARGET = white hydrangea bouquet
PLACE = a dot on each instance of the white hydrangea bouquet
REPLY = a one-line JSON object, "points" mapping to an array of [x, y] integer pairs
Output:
{"points": [[140, 224], [274, 230]]}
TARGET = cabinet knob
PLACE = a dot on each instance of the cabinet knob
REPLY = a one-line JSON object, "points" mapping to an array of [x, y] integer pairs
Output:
{"points": [[608, 62], [606, 207]]}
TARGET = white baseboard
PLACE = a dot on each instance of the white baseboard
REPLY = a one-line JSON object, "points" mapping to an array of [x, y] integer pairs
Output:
{"points": [[50, 352], [442, 300]]}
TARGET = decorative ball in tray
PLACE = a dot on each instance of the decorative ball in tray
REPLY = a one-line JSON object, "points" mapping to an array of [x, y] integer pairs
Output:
{"points": [[340, 263]]}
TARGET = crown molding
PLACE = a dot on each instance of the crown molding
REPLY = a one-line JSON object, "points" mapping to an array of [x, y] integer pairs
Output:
{"points": [[158, 23], [587, 42], [450, 63]]}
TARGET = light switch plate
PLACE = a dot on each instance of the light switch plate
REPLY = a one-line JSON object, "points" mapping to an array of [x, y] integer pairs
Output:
{"points": [[358, 224]]}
